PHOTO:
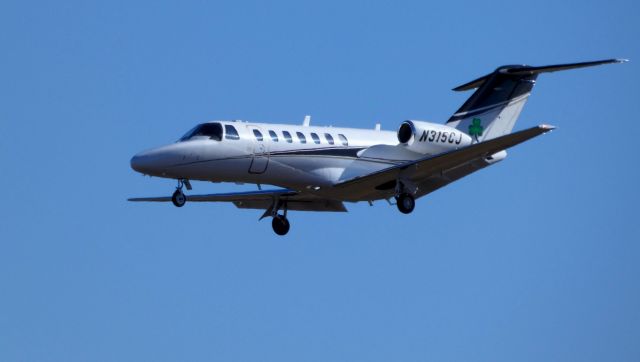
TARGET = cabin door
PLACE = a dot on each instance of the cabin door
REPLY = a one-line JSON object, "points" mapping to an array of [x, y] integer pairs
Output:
{"points": [[260, 154]]}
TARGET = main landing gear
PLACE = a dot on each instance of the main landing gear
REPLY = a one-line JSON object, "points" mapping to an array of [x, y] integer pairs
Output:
{"points": [[406, 203], [179, 198], [404, 196], [279, 223]]}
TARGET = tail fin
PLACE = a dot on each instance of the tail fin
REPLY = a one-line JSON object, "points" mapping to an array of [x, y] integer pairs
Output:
{"points": [[493, 109]]}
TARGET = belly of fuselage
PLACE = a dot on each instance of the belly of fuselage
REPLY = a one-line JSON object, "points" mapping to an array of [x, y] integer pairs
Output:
{"points": [[295, 172]]}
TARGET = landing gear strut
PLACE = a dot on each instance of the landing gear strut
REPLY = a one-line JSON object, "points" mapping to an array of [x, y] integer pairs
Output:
{"points": [[279, 223], [404, 196], [178, 198], [406, 203]]}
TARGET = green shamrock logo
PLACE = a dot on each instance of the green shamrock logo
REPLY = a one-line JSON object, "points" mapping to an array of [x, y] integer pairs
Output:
{"points": [[475, 128]]}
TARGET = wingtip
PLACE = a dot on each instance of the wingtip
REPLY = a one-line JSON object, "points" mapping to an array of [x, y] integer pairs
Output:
{"points": [[621, 60], [546, 128]]}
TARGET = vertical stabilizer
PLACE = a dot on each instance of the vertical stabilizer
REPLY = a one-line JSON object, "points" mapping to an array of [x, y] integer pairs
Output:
{"points": [[493, 109]]}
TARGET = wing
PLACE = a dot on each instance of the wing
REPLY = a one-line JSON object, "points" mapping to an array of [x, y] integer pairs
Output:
{"points": [[262, 200], [433, 172]]}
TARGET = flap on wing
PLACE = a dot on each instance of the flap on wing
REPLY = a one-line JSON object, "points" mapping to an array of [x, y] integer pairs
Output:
{"points": [[297, 205], [267, 195], [262, 200], [421, 169], [228, 197]]}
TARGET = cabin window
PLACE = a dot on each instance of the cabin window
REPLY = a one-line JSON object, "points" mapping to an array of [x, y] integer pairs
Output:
{"points": [[343, 139], [301, 137], [315, 137], [329, 138], [274, 136], [258, 135], [287, 136], [231, 133], [211, 130]]}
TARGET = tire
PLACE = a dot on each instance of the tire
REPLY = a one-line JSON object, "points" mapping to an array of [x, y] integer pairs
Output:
{"points": [[280, 225], [406, 203], [178, 198]]}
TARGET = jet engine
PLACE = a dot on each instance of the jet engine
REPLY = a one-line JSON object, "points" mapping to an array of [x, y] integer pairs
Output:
{"points": [[431, 138]]}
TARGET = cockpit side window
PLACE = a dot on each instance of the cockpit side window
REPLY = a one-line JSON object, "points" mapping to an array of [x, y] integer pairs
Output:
{"points": [[211, 130], [230, 132]]}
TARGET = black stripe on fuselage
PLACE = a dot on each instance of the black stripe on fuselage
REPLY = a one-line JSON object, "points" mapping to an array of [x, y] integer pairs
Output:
{"points": [[345, 153]]}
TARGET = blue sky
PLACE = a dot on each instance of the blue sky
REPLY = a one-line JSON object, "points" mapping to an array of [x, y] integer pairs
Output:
{"points": [[533, 259]]}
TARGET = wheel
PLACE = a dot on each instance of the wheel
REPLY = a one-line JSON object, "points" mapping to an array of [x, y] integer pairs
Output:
{"points": [[280, 225], [178, 198], [406, 203]]}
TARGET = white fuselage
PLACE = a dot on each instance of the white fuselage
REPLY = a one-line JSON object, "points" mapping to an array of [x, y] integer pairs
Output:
{"points": [[321, 168], [297, 157]]}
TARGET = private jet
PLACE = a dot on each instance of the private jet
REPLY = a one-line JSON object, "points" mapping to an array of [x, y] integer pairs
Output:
{"points": [[320, 168]]}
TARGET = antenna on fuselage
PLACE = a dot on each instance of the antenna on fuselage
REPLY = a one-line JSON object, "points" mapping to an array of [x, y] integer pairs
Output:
{"points": [[307, 120], [377, 126]]}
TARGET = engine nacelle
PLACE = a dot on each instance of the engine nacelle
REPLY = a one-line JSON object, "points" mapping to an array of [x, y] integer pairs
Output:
{"points": [[431, 138]]}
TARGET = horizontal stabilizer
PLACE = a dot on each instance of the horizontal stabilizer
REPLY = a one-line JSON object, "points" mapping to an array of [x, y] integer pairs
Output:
{"points": [[524, 70], [529, 70]]}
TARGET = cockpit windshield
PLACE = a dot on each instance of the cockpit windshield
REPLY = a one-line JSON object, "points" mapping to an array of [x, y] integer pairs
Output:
{"points": [[211, 130]]}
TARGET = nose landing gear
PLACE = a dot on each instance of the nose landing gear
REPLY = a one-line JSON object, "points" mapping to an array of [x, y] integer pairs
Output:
{"points": [[178, 198]]}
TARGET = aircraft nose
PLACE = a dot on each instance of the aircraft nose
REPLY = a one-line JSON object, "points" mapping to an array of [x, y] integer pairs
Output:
{"points": [[142, 162], [159, 161], [152, 162]]}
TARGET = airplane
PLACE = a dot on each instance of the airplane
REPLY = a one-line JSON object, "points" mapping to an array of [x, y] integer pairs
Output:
{"points": [[321, 168]]}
